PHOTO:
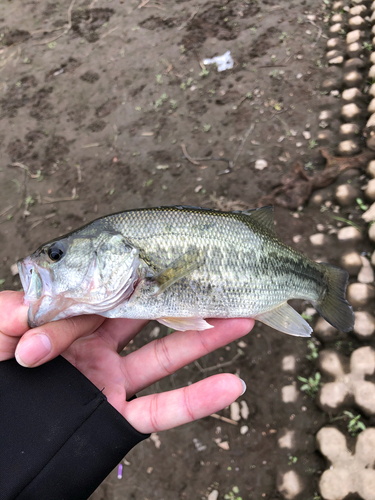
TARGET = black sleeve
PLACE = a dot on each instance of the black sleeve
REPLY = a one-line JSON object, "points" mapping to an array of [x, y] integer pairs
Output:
{"points": [[59, 437]]}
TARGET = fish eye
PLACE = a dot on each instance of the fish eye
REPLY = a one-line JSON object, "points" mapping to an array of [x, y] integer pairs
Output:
{"points": [[55, 253]]}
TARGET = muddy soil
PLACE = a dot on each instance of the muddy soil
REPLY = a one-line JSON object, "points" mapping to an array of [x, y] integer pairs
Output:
{"points": [[100, 103]]}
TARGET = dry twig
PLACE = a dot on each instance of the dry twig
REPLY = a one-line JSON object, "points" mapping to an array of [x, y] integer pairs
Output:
{"points": [[224, 419]]}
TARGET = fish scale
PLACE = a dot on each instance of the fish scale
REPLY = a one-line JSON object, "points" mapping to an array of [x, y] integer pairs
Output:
{"points": [[197, 263]]}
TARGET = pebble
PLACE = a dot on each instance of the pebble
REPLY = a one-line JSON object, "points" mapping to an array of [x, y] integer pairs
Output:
{"points": [[371, 73], [290, 485], [351, 94], [369, 215], [349, 234], [371, 106], [333, 53], [360, 294], [353, 79], [350, 111], [353, 36], [336, 60], [348, 147], [335, 28], [349, 129], [364, 325], [371, 233], [306, 134], [357, 10], [287, 440], [357, 22], [214, 495], [352, 262], [245, 412], [370, 190], [354, 49], [14, 269], [319, 239], [371, 121], [333, 43], [346, 194], [372, 90], [289, 393], [366, 274], [244, 429], [235, 411], [338, 5], [289, 363], [336, 18], [323, 330], [261, 164], [370, 171]]}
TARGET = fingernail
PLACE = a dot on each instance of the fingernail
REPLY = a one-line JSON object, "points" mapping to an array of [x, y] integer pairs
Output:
{"points": [[33, 350], [243, 386]]}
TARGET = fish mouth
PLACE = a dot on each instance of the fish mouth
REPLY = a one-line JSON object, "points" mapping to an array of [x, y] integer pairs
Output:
{"points": [[36, 284]]}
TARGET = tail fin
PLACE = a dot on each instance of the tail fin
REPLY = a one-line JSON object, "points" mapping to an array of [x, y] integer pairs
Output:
{"points": [[334, 307]]}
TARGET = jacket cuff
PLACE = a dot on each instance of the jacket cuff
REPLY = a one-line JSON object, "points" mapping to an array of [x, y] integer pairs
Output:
{"points": [[59, 435]]}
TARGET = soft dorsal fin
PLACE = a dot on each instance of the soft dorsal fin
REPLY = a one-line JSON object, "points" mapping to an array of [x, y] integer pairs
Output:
{"points": [[264, 216]]}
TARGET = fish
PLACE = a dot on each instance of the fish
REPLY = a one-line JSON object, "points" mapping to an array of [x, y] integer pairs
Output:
{"points": [[182, 265]]}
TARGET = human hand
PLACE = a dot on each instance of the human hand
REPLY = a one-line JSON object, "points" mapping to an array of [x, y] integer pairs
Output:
{"points": [[92, 344]]}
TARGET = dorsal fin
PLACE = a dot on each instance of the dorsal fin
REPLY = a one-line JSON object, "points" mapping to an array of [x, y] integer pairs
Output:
{"points": [[264, 216]]}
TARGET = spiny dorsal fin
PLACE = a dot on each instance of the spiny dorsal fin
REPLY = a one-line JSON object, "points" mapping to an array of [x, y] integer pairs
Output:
{"points": [[264, 216]]}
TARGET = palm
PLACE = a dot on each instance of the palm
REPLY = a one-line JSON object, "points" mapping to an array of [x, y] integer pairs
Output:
{"points": [[101, 364]]}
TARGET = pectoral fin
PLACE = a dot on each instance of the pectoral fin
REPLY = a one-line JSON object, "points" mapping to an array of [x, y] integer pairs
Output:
{"points": [[183, 324], [179, 268], [285, 319]]}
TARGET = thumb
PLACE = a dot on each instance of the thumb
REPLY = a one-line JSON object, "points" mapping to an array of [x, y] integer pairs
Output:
{"points": [[45, 342]]}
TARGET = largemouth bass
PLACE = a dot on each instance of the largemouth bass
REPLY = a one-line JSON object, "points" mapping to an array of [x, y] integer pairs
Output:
{"points": [[182, 265]]}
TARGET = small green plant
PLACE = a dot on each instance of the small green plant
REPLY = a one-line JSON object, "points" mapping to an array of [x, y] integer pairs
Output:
{"points": [[233, 495], [312, 144], [367, 46], [159, 79], [185, 85], [314, 352], [204, 73], [159, 102], [292, 460], [283, 36], [361, 204], [52, 45], [355, 426], [173, 103], [206, 127], [311, 385]]}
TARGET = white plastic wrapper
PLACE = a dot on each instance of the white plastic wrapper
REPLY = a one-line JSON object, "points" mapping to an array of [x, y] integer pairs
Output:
{"points": [[223, 62]]}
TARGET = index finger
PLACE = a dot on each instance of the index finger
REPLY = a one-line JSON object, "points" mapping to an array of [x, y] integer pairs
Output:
{"points": [[13, 314]]}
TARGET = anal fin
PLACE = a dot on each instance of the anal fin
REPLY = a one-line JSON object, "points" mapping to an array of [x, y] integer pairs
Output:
{"points": [[287, 320], [183, 324]]}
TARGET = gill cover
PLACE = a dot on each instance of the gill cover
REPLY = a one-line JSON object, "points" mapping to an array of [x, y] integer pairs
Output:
{"points": [[83, 273]]}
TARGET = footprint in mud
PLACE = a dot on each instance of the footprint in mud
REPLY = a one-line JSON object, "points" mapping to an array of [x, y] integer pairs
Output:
{"points": [[86, 22], [107, 108]]}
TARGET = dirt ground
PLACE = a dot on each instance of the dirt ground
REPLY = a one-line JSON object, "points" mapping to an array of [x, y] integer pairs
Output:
{"points": [[100, 103]]}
